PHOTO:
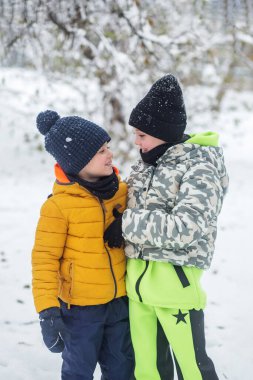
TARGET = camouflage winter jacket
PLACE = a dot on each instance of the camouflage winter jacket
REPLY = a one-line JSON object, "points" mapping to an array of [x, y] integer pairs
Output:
{"points": [[173, 208], [170, 224]]}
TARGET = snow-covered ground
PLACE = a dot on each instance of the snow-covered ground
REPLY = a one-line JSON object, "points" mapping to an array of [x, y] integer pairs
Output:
{"points": [[27, 177]]}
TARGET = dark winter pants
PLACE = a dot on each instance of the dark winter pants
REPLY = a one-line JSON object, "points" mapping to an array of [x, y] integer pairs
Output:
{"points": [[99, 334], [185, 333]]}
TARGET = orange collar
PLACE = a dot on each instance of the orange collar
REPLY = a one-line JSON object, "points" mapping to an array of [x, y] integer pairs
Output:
{"points": [[61, 176]]}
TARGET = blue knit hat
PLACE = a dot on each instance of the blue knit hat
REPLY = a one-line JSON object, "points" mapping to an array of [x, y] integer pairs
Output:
{"points": [[72, 141]]}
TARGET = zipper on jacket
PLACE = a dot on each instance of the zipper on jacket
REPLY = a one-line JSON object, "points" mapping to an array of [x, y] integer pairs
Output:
{"points": [[71, 283], [148, 187], [108, 253], [138, 282], [140, 256]]}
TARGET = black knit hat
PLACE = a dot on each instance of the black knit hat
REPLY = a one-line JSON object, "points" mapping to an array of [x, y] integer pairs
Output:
{"points": [[72, 141], [161, 113]]}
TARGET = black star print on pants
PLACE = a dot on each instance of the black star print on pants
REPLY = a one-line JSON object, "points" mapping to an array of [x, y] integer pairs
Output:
{"points": [[180, 316]]}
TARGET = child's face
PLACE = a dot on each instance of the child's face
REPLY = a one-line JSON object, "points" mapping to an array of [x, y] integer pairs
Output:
{"points": [[146, 142], [99, 166]]}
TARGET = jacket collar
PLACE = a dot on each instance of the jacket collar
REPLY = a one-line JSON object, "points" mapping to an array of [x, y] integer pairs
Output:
{"points": [[60, 175]]}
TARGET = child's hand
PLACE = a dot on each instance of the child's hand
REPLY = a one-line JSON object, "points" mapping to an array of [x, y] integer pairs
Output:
{"points": [[53, 329], [113, 233]]}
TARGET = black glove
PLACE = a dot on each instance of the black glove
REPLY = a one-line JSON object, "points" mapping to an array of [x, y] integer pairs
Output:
{"points": [[53, 329], [113, 233]]}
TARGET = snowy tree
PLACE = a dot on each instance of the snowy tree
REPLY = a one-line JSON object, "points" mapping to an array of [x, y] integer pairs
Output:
{"points": [[123, 46]]}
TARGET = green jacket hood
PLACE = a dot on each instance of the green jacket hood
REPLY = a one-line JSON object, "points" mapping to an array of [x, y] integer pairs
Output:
{"points": [[205, 138]]}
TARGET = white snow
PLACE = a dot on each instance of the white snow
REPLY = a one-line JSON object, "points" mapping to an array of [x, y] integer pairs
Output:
{"points": [[26, 180]]}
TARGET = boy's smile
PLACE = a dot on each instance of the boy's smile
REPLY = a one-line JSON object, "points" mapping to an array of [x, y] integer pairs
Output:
{"points": [[146, 142]]}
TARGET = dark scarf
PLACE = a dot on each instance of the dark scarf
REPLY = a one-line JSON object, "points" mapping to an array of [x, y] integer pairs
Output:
{"points": [[105, 188], [154, 154]]}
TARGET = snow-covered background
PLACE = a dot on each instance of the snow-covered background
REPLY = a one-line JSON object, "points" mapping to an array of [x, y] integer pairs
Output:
{"points": [[26, 180]]}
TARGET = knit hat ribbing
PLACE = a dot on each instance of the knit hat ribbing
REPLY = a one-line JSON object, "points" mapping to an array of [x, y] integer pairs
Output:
{"points": [[161, 113], [72, 141]]}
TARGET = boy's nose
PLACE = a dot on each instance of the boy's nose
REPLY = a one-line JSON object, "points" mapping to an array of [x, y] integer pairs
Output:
{"points": [[136, 141]]}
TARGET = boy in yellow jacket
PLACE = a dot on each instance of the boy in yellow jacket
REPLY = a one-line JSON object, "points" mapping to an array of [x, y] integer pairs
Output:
{"points": [[78, 262]]}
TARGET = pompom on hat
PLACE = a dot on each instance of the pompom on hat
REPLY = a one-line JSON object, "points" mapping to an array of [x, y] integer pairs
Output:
{"points": [[161, 113], [45, 120], [72, 141]]}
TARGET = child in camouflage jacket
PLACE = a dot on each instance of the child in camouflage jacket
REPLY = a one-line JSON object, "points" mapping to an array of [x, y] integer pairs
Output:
{"points": [[175, 195]]}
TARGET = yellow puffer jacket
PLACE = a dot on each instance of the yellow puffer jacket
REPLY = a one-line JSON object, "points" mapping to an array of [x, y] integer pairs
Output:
{"points": [[69, 258]]}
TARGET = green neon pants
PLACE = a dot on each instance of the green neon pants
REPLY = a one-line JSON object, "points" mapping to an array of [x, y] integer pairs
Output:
{"points": [[184, 330]]}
